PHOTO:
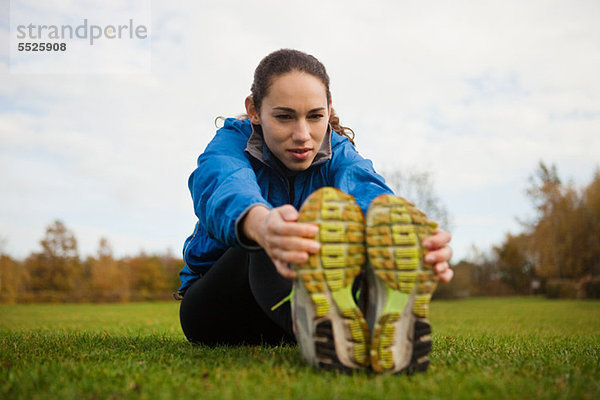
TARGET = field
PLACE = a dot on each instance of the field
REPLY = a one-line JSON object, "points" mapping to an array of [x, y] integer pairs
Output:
{"points": [[516, 348]]}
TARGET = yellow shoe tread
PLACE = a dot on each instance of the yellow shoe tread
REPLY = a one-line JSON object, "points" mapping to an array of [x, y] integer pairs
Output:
{"points": [[341, 233], [394, 234]]}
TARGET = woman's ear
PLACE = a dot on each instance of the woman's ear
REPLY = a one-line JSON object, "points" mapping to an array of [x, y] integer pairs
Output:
{"points": [[252, 111]]}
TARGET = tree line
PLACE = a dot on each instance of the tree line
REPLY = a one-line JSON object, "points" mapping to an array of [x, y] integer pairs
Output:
{"points": [[58, 274], [557, 253], [560, 247]]}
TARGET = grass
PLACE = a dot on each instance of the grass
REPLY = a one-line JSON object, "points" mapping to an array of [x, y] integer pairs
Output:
{"points": [[483, 349]]}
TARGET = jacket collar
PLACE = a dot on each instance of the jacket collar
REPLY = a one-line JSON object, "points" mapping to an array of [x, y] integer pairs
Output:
{"points": [[258, 149]]}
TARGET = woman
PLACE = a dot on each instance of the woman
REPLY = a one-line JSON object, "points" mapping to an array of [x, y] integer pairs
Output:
{"points": [[251, 181]]}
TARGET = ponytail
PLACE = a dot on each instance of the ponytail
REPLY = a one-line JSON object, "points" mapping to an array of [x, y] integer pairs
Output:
{"points": [[334, 121]]}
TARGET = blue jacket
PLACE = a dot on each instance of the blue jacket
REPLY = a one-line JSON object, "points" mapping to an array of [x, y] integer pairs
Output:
{"points": [[237, 171]]}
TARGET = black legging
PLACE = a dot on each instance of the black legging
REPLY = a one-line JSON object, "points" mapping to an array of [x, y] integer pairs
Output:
{"points": [[231, 303]]}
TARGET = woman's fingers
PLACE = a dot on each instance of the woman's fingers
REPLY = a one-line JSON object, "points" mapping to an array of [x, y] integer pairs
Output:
{"points": [[287, 241], [276, 225], [299, 229], [283, 221], [440, 239], [444, 272], [294, 243], [439, 255], [289, 256], [288, 213], [284, 270], [440, 260]]}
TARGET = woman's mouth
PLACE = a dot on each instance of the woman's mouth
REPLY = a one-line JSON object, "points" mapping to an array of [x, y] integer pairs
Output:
{"points": [[300, 154]]}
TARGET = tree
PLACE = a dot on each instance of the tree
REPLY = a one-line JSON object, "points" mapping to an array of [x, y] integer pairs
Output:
{"points": [[148, 275], [2, 245], [107, 280], [592, 216], [172, 266], [13, 279], [57, 266], [417, 187], [514, 265], [484, 272], [544, 191], [563, 237]]}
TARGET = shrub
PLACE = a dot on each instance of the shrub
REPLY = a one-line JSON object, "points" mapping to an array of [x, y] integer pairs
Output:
{"points": [[592, 288], [561, 289]]}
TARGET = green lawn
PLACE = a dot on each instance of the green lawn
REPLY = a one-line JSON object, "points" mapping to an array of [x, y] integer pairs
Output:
{"points": [[519, 348]]}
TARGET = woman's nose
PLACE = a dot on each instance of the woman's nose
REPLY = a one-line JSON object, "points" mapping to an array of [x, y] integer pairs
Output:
{"points": [[301, 131]]}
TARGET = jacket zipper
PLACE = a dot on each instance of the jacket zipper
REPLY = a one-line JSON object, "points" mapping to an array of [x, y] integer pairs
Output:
{"points": [[291, 189], [289, 182]]}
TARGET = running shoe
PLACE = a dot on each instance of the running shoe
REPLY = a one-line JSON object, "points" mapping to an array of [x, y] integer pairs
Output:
{"points": [[399, 285], [330, 328]]}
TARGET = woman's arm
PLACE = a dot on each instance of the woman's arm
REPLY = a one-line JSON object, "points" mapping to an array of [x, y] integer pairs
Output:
{"points": [[224, 185]]}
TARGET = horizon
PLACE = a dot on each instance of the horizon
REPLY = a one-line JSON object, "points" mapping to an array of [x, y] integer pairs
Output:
{"points": [[475, 94]]}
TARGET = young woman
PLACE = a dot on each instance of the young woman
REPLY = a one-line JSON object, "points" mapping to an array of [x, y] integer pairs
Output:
{"points": [[249, 249]]}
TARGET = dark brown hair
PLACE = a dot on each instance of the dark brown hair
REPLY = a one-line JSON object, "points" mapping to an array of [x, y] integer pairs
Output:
{"points": [[286, 60]]}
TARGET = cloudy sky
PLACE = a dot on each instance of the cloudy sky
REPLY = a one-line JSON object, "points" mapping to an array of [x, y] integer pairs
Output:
{"points": [[476, 93]]}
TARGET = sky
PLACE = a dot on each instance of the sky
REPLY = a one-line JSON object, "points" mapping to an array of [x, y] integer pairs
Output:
{"points": [[476, 93]]}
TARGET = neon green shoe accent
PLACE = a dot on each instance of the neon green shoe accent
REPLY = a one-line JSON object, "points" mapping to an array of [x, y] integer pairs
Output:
{"points": [[284, 300], [327, 277], [343, 298], [396, 301], [358, 326], [395, 231]]}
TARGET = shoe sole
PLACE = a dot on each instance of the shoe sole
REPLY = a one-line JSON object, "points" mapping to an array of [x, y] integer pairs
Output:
{"points": [[338, 329], [400, 285]]}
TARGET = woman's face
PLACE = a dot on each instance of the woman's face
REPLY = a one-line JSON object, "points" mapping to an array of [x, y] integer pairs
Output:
{"points": [[294, 117]]}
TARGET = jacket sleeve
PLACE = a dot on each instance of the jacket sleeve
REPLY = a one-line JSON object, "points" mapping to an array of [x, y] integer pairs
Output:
{"points": [[224, 187], [355, 175]]}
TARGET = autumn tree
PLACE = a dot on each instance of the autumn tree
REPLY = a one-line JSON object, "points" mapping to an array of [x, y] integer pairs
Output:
{"points": [[592, 216], [107, 280], [563, 237], [57, 266], [513, 263], [56, 273], [172, 266], [147, 274], [13, 279]]}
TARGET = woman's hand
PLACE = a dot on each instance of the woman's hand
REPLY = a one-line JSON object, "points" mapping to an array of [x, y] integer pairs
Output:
{"points": [[287, 241], [283, 238], [439, 254]]}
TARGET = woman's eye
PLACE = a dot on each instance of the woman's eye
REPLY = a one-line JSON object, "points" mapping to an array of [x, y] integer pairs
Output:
{"points": [[283, 116], [316, 116]]}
